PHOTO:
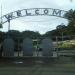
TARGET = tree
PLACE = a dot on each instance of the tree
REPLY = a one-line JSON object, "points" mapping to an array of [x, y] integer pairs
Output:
{"points": [[13, 33], [70, 15], [60, 27], [30, 34], [71, 27]]}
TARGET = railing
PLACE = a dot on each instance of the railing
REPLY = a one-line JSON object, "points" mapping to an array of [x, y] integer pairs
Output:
{"points": [[66, 52]]}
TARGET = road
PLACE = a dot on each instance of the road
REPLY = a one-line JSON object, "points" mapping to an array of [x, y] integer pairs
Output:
{"points": [[52, 69]]}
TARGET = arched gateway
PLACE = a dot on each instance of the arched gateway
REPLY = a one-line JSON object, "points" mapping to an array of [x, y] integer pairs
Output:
{"points": [[33, 12]]}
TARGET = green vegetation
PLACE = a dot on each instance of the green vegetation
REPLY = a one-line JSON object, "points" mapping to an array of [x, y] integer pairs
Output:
{"points": [[70, 44]]}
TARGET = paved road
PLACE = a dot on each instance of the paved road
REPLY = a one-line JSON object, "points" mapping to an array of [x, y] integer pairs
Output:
{"points": [[39, 70]]}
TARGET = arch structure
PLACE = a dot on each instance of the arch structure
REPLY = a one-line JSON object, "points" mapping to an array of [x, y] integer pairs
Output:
{"points": [[33, 12]]}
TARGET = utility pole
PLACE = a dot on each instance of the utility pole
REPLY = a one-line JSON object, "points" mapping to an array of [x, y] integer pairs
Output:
{"points": [[57, 45]]}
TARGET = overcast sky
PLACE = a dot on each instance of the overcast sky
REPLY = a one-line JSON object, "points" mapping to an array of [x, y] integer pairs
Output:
{"points": [[35, 23]]}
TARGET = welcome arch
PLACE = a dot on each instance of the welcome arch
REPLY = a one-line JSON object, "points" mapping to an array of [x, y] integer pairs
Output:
{"points": [[33, 12]]}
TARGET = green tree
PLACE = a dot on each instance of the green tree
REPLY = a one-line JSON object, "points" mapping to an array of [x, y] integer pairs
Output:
{"points": [[30, 34], [70, 15], [61, 29], [14, 33]]}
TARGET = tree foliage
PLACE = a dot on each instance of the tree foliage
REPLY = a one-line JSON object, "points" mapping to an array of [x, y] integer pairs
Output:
{"points": [[30, 34], [70, 15]]}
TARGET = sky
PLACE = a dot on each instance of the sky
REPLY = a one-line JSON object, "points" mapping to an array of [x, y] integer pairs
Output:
{"points": [[41, 24]]}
